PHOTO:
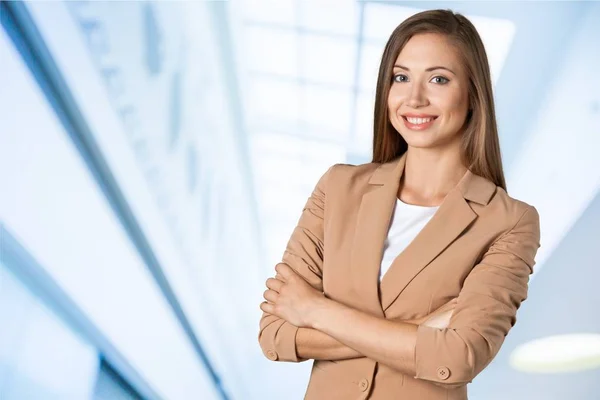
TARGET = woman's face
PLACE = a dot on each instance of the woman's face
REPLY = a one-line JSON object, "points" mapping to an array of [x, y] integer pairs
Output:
{"points": [[428, 100]]}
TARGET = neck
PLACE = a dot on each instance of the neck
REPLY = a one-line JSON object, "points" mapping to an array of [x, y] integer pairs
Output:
{"points": [[429, 176]]}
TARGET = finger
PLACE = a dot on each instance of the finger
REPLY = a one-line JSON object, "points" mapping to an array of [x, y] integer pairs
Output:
{"points": [[279, 277], [444, 315], [448, 314], [445, 318], [274, 284], [436, 323], [271, 296], [444, 308], [439, 320], [267, 307], [284, 270]]}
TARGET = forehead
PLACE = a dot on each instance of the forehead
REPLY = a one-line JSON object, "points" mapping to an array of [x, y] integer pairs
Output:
{"points": [[427, 49]]}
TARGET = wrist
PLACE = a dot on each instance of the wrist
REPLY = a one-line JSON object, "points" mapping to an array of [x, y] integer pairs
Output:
{"points": [[318, 312]]}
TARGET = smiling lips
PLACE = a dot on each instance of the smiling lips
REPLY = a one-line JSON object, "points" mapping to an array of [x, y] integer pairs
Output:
{"points": [[418, 122]]}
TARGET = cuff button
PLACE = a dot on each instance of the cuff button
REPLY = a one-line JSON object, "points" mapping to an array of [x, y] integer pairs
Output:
{"points": [[443, 373]]}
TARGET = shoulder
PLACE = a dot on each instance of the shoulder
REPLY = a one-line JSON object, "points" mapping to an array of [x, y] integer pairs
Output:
{"points": [[511, 207], [511, 213], [344, 177], [352, 172], [347, 177]]}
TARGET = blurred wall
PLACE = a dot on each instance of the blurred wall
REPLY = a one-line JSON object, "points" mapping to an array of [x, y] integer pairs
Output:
{"points": [[155, 157]]}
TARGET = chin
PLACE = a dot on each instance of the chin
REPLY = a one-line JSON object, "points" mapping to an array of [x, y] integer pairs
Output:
{"points": [[422, 145], [422, 139]]}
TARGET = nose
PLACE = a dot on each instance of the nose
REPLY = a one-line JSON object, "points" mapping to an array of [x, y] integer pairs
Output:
{"points": [[416, 96]]}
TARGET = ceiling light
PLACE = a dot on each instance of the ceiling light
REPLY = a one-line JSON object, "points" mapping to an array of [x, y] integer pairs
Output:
{"points": [[561, 353]]}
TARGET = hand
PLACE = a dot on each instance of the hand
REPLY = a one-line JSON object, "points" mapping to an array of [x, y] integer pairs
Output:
{"points": [[439, 318], [290, 297]]}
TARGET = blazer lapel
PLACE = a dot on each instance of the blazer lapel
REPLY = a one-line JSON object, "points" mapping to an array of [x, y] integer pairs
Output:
{"points": [[373, 221], [450, 220]]}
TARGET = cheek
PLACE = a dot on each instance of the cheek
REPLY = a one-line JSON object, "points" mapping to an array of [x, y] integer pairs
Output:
{"points": [[391, 100], [460, 102], [454, 106], [459, 112], [394, 100]]}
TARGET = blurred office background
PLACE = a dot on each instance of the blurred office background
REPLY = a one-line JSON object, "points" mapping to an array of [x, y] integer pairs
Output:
{"points": [[155, 157]]}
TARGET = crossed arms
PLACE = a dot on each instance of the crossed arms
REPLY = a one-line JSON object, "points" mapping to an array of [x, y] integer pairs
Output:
{"points": [[482, 315]]}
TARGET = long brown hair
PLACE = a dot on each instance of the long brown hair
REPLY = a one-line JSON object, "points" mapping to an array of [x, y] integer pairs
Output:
{"points": [[480, 149]]}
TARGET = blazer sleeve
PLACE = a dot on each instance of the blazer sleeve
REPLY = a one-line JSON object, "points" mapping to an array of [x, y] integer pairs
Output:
{"points": [[485, 311], [304, 254]]}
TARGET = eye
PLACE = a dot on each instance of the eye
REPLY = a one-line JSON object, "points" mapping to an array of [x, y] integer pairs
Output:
{"points": [[397, 77], [444, 80], [436, 79]]}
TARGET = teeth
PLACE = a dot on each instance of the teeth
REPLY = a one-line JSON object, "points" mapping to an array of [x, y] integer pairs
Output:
{"points": [[418, 121]]}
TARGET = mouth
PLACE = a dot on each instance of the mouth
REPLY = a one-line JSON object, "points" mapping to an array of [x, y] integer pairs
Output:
{"points": [[418, 123]]}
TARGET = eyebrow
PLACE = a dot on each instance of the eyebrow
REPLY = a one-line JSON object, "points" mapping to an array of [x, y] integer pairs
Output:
{"points": [[427, 70]]}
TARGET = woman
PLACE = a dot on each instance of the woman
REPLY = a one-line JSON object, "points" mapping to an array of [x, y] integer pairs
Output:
{"points": [[427, 225]]}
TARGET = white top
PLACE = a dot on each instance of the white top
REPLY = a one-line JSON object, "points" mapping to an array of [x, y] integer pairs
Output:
{"points": [[407, 222]]}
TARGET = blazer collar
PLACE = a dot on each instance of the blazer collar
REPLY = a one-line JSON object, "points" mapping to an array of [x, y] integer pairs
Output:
{"points": [[373, 220], [473, 187]]}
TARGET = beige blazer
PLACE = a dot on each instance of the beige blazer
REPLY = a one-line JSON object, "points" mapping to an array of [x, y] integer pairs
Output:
{"points": [[480, 245]]}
